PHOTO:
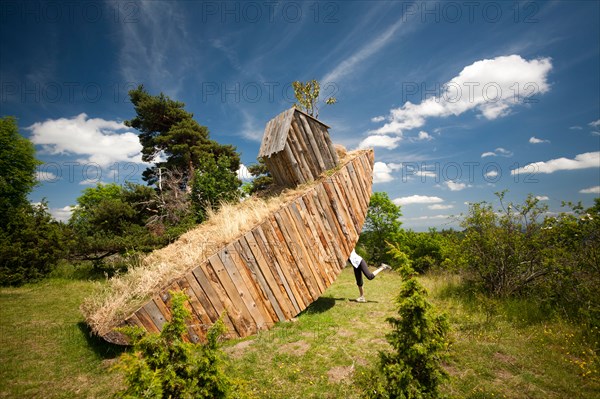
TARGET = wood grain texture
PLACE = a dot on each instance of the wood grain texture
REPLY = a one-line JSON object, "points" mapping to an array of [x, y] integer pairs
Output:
{"points": [[277, 269]]}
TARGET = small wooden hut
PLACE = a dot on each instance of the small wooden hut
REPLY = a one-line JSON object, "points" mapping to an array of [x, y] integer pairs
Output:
{"points": [[296, 148]]}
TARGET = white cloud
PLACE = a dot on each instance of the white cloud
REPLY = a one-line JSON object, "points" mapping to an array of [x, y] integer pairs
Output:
{"points": [[100, 141], [61, 214], [243, 174], [535, 140], [576, 128], [503, 152], [90, 182], [487, 86], [591, 190], [45, 176], [417, 199], [440, 207], [595, 123], [542, 198], [382, 173], [380, 141], [423, 135], [491, 174], [455, 186], [581, 161], [378, 119]]}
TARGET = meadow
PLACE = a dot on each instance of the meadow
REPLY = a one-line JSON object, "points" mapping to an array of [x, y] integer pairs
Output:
{"points": [[508, 348]]}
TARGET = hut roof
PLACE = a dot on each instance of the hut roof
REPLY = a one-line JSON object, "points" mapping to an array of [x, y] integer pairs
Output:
{"points": [[277, 130]]}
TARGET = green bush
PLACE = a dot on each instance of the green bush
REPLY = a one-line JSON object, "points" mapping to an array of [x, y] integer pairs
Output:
{"points": [[413, 369], [165, 366]]}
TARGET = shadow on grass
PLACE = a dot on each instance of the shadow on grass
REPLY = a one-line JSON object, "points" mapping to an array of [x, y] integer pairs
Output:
{"points": [[102, 348], [322, 305]]}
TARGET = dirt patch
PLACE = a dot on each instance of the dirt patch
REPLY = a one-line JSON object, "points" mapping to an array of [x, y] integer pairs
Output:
{"points": [[340, 374], [297, 348], [345, 333], [237, 350], [504, 358]]}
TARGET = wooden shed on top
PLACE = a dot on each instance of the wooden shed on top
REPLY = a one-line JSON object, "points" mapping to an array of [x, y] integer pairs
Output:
{"points": [[296, 148]]}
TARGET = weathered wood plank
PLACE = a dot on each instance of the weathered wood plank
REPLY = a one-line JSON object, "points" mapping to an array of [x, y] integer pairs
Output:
{"points": [[252, 263]]}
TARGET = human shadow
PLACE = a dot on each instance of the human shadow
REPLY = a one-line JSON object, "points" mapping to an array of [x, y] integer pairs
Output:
{"points": [[323, 304]]}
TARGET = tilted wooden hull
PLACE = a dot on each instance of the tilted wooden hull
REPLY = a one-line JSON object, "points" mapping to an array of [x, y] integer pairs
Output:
{"points": [[277, 269]]}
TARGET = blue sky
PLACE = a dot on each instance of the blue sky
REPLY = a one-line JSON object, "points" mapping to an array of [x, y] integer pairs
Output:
{"points": [[458, 99]]}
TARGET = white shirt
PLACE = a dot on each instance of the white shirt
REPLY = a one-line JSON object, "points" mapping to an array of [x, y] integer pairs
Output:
{"points": [[355, 259]]}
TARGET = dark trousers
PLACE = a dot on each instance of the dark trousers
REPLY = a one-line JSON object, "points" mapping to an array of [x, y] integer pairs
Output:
{"points": [[360, 270]]}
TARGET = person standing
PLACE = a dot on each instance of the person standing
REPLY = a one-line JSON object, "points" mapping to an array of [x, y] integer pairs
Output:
{"points": [[360, 268]]}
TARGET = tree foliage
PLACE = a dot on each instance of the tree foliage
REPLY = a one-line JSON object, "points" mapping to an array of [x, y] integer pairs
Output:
{"points": [[307, 95], [165, 366], [31, 242], [381, 225], [17, 168], [213, 184], [167, 129], [262, 177]]}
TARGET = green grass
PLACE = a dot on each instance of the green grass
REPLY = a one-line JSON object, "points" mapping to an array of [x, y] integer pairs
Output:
{"points": [[509, 349], [46, 350]]}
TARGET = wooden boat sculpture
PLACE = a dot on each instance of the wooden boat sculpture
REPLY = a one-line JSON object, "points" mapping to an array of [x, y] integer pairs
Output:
{"points": [[285, 262]]}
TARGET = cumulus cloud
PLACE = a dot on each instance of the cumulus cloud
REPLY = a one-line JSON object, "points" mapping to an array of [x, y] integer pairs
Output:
{"points": [[378, 119], [591, 190], [100, 141], [380, 141], [491, 174], [503, 152], [382, 173], [535, 140], [61, 214], [45, 176], [440, 207], [542, 198], [423, 135], [488, 86], [455, 186], [595, 123], [417, 199], [581, 161]]}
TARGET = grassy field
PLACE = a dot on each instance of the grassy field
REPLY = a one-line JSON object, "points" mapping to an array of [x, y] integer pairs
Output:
{"points": [[502, 349]]}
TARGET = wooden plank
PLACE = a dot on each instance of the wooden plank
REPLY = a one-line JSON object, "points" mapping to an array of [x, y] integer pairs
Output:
{"points": [[324, 204], [193, 325], [295, 229], [239, 284], [307, 232], [275, 247], [200, 313], [300, 155], [234, 258], [293, 164], [242, 320], [314, 219], [205, 284], [276, 270], [321, 140], [272, 279], [325, 230], [155, 314], [252, 263], [359, 188], [297, 255], [311, 159], [289, 262], [146, 320], [346, 188], [313, 143]]}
